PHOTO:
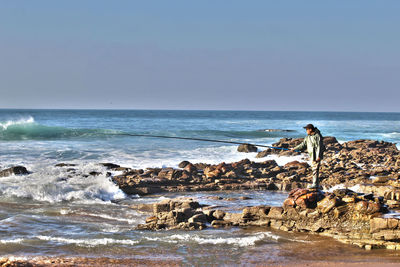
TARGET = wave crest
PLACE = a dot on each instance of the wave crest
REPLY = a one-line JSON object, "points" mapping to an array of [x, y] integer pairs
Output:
{"points": [[23, 121], [28, 129]]}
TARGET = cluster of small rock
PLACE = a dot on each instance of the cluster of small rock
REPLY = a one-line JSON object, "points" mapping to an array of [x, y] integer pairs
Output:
{"points": [[172, 214], [372, 165], [242, 175], [346, 215]]}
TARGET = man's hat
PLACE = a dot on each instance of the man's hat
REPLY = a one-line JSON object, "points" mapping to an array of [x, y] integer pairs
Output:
{"points": [[309, 126]]}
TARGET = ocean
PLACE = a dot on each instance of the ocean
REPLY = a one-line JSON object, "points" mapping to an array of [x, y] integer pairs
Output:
{"points": [[56, 212]]}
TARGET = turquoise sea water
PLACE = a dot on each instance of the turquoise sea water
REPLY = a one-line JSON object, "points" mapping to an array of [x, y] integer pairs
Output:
{"points": [[55, 212], [61, 135]]}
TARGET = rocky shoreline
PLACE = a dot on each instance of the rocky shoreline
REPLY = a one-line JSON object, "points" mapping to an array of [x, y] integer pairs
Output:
{"points": [[360, 162], [364, 216]]}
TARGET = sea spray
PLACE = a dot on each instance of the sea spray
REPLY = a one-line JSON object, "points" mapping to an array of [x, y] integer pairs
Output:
{"points": [[26, 121], [55, 184]]}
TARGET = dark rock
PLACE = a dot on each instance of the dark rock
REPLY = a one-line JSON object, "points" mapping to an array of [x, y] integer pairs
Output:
{"points": [[220, 223], [190, 168], [16, 170], [65, 165], [110, 166], [328, 140], [183, 164], [344, 192], [265, 153], [275, 130], [296, 165]]}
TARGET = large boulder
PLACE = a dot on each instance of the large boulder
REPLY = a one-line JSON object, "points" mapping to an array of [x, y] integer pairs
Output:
{"points": [[303, 198]]}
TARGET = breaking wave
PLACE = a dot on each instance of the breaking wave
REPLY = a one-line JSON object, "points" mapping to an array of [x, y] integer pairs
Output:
{"points": [[28, 129], [55, 185]]}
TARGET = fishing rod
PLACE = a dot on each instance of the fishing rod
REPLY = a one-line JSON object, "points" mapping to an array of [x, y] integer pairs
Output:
{"points": [[200, 139]]}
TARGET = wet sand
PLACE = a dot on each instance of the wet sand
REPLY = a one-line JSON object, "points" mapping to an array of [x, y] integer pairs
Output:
{"points": [[67, 262]]}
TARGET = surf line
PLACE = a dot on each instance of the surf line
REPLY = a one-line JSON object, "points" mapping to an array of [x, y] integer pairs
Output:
{"points": [[200, 139]]}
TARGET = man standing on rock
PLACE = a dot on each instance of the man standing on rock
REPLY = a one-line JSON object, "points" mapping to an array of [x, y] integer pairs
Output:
{"points": [[315, 148]]}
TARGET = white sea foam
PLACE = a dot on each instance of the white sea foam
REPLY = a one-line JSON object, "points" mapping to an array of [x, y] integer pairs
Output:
{"points": [[107, 228], [53, 184], [391, 135], [244, 241], [12, 241], [113, 218], [392, 214], [209, 155], [88, 242], [5, 125], [355, 188], [335, 187], [65, 211]]}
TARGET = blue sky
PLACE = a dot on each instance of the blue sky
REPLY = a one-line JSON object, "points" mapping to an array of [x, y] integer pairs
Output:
{"points": [[245, 55]]}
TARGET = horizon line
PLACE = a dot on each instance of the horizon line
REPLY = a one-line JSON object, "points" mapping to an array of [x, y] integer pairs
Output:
{"points": [[215, 110]]}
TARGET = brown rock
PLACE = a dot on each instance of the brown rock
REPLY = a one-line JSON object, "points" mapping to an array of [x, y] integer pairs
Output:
{"points": [[163, 206], [275, 213], [218, 214], [380, 180], [220, 223], [234, 218], [377, 224], [190, 168], [289, 202], [183, 164], [264, 153], [198, 218], [296, 165], [256, 212], [393, 223], [327, 204], [247, 148]]}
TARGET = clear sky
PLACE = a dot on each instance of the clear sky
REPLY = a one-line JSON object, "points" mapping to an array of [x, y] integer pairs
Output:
{"points": [[335, 55]]}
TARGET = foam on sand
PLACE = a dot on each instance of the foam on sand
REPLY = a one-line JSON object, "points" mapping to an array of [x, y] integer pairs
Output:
{"points": [[243, 241], [88, 242]]}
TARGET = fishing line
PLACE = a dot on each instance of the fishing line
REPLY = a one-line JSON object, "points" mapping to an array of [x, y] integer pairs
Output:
{"points": [[199, 139]]}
